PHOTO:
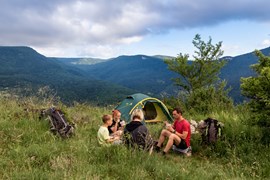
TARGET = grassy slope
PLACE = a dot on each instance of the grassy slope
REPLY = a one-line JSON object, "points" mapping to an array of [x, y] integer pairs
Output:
{"points": [[29, 151]]}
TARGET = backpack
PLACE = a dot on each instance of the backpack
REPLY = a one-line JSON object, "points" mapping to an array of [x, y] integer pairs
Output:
{"points": [[211, 130], [58, 122]]}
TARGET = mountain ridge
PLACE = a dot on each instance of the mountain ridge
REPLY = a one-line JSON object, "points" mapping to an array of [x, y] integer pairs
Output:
{"points": [[23, 67], [129, 71], [120, 76]]}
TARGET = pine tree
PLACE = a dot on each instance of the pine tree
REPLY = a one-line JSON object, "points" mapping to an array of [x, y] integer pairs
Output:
{"points": [[199, 79]]}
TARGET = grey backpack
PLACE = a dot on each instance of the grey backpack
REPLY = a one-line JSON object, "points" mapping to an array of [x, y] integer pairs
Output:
{"points": [[58, 123], [211, 130]]}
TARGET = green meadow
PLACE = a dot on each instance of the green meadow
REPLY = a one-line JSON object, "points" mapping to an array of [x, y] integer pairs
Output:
{"points": [[28, 150]]}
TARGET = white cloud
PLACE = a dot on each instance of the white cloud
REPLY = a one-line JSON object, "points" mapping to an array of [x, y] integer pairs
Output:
{"points": [[266, 42], [130, 40], [232, 50], [82, 27]]}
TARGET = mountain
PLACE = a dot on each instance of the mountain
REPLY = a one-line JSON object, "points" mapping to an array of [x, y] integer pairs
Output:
{"points": [[237, 67], [80, 61], [24, 68], [149, 74], [105, 80], [146, 74]]}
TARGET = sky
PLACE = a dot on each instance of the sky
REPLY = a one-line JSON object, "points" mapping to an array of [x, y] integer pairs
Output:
{"points": [[110, 28]]}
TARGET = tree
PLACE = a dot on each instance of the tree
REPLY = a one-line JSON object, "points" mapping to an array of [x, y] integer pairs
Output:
{"points": [[258, 90], [200, 77]]}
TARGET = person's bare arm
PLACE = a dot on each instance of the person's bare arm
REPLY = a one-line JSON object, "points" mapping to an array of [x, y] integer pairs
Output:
{"points": [[112, 139], [114, 128], [183, 135]]}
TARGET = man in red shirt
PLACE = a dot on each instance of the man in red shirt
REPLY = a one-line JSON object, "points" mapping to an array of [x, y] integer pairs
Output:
{"points": [[178, 134]]}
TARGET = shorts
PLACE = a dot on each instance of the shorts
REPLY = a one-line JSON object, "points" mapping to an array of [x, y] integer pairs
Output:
{"points": [[181, 145]]}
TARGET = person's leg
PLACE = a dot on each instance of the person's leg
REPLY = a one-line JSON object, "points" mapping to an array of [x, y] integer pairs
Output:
{"points": [[118, 133], [164, 133], [172, 138]]}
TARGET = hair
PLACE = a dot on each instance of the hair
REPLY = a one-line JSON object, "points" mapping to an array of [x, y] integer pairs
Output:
{"points": [[178, 110], [115, 112], [106, 118], [137, 113]]}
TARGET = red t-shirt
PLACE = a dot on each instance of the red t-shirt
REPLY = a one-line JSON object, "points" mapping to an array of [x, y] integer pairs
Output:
{"points": [[181, 126]]}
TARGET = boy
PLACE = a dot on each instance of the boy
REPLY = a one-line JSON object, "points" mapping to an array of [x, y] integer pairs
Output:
{"points": [[103, 133]]}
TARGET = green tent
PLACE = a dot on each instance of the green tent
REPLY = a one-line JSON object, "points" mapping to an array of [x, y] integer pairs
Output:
{"points": [[154, 110]]}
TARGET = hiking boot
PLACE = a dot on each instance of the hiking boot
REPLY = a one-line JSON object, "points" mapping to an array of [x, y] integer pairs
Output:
{"points": [[157, 149], [189, 152]]}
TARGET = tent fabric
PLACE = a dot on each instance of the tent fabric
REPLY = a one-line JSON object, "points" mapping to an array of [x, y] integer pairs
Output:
{"points": [[154, 109]]}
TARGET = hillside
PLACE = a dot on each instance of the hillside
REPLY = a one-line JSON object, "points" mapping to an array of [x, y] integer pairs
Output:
{"points": [[80, 61], [23, 68], [145, 74], [30, 151], [150, 74], [237, 67], [104, 80]]}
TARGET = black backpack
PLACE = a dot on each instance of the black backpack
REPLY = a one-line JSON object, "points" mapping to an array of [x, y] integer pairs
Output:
{"points": [[211, 130], [58, 122]]}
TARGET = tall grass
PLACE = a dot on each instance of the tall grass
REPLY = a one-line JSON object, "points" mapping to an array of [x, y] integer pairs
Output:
{"points": [[28, 150]]}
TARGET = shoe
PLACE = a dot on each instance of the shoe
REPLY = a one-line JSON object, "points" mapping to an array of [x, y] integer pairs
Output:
{"points": [[189, 152], [157, 149]]}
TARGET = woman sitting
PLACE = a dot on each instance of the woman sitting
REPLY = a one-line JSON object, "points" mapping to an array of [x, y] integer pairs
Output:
{"points": [[136, 134]]}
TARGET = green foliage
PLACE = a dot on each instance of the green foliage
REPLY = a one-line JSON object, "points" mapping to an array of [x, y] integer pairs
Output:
{"points": [[28, 150], [25, 72], [200, 89], [201, 72], [258, 90], [209, 99]]}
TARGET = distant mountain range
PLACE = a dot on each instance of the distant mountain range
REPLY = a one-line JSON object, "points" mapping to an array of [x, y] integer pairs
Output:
{"points": [[105, 80], [142, 73], [149, 74], [24, 68]]}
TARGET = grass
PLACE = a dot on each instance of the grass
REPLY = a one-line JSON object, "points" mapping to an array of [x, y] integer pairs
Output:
{"points": [[28, 150]]}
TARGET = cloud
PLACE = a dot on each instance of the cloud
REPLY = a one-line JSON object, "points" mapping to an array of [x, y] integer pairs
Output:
{"points": [[266, 42], [68, 24]]}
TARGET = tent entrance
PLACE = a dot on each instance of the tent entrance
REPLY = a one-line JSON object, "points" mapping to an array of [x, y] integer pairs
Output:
{"points": [[149, 110], [153, 112]]}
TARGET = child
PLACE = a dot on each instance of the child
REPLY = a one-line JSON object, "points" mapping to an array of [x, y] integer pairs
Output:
{"points": [[103, 133], [117, 127]]}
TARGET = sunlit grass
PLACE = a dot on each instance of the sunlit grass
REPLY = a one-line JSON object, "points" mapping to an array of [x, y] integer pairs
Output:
{"points": [[28, 150]]}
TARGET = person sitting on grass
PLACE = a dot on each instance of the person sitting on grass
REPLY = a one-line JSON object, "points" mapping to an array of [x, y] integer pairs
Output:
{"points": [[178, 134], [136, 133], [117, 127], [103, 135]]}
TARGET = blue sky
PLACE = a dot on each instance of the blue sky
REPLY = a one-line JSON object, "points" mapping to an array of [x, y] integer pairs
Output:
{"points": [[109, 28]]}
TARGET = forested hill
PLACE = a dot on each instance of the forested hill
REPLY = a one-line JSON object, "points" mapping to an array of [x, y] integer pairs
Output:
{"points": [[25, 70], [150, 75], [237, 67], [143, 73], [75, 79]]}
